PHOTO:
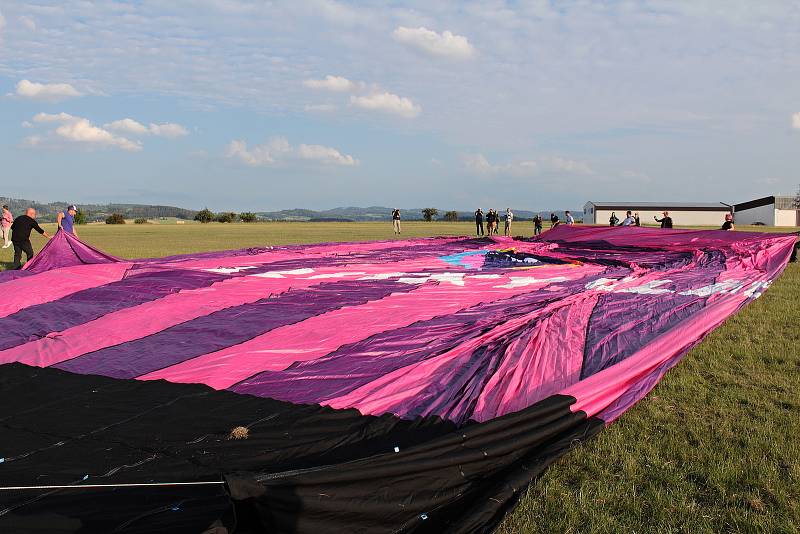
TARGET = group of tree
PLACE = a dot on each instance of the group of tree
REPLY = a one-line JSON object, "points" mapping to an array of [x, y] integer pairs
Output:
{"points": [[206, 216], [115, 218], [226, 217], [429, 213]]}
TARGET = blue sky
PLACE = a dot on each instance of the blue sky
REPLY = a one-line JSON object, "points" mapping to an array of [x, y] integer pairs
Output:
{"points": [[256, 105]]}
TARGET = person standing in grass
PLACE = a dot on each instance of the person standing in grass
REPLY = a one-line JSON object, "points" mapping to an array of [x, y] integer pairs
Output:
{"points": [[490, 221], [5, 224], [66, 220], [479, 222], [396, 221], [570, 220], [509, 220], [21, 236], [666, 221], [537, 224]]}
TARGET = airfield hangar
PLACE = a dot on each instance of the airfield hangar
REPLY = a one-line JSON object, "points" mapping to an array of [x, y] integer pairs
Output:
{"points": [[775, 210], [683, 213]]}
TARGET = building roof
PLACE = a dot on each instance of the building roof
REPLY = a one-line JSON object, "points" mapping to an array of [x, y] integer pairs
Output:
{"points": [[757, 203], [782, 202], [677, 206]]}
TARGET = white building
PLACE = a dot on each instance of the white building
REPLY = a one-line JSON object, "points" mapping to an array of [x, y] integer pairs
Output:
{"points": [[771, 211], [682, 213]]}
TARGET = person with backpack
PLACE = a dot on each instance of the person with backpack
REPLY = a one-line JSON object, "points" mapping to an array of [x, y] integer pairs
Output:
{"points": [[396, 221]]}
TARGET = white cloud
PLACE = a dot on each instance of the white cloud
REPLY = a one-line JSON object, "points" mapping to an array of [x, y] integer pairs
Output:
{"points": [[336, 12], [28, 23], [81, 131], [796, 120], [555, 163], [445, 44], [32, 141], [278, 149], [387, 102], [51, 92], [2, 21], [325, 154], [258, 155], [332, 83], [128, 126], [170, 130], [50, 117], [477, 163]]}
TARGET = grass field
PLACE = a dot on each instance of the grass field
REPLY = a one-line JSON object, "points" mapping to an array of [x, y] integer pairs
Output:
{"points": [[715, 447]]}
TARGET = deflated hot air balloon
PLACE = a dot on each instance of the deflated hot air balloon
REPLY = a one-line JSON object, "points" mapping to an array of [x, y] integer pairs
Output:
{"points": [[399, 386]]}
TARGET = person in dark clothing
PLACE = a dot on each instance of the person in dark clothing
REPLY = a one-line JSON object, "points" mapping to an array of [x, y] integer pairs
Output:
{"points": [[396, 221], [728, 224], [21, 236], [479, 222], [553, 220], [490, 221], [637, 221], [613, 220], [666, 221], [537, 224]]}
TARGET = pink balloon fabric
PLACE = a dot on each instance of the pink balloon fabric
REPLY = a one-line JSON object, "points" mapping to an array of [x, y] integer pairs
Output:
{"points": [[461, 328]]}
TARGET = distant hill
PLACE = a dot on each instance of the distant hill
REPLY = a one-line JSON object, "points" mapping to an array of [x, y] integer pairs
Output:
{"points": [[47, 211]]}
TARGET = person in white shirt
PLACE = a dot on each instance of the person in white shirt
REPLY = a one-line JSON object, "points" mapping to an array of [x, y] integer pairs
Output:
{"points": [[570, 218], [509, 219], [629, 220]]}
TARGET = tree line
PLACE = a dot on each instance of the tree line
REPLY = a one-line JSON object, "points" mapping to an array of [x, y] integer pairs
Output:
{"points": [[205, 215]]}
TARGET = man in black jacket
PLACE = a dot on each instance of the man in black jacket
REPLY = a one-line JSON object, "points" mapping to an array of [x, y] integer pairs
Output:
{"points": [[21, 236], [666, 222], [479, 222]]}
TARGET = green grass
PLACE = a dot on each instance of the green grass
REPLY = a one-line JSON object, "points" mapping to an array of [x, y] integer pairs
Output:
{"points": [[715, 447]]}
